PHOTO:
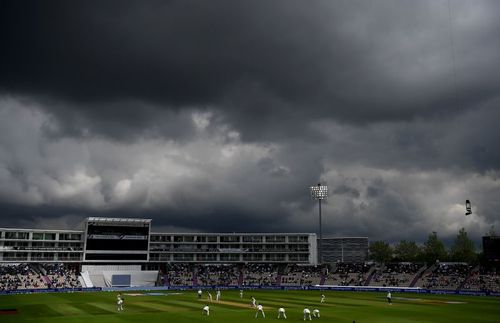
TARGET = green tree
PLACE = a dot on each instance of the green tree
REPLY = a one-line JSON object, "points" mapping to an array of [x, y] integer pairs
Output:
{"points": [[380, 251], [434, 249], [407, 251], [463, 248]]}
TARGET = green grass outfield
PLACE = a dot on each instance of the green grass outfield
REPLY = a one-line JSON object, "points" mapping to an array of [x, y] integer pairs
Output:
{"points": [[184, 306]]}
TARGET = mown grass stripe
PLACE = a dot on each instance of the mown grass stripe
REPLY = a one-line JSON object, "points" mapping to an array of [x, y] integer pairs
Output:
{"points": [[67, 309]]}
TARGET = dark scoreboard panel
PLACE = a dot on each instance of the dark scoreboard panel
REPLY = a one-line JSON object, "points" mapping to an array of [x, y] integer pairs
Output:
{"points": [[113, 237], [491, 248]]}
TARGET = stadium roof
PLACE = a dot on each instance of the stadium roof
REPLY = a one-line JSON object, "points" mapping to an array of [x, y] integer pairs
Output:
{"points": [[120, 220]]}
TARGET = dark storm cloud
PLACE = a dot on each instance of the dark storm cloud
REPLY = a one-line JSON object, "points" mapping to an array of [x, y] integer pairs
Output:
{"points": [[217, 115], [257, 61]]}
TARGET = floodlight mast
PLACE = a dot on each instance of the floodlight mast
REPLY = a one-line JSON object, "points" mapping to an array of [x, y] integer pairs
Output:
{"points": [[319, 192]]}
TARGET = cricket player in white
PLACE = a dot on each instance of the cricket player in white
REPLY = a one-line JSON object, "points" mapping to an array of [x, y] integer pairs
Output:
{"points": [[241, 293], [389, 298], [206, 310], [209, 296], [323, 298], [254, 302], [316, 313], [119, 304], [260, 309], [217, 296], [307, 314], [281, 312]]}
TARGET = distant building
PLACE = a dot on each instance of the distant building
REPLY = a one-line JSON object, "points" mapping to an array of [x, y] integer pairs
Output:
{"points": [[491, 248], [132, 241], [345, 249]]}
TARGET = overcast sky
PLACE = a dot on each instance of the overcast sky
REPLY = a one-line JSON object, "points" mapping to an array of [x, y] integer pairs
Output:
{"points": [[218, 115]]}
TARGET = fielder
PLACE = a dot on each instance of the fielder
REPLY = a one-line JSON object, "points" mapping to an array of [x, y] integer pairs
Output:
{"points": [[389, 298], [217, 296], [254, 302], [307, 314], [316, 313], [206, 310], [241, 293], [281, 312], [209, 296], [119, 304], [199, 293], [260, 309], [323, 298]]}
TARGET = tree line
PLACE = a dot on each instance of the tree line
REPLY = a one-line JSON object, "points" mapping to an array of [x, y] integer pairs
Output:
{"points": [[462, 250]]}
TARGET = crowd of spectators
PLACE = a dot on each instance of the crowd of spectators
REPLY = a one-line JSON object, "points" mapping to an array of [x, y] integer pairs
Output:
{"points": [[34, 276], [449, 276], [179, 274], [396, 274], [60, 276], [218, 275], [260, 275], [483, 279], [294, 275], [446, 276], [20, 276], [8, 277], [348, 274]]}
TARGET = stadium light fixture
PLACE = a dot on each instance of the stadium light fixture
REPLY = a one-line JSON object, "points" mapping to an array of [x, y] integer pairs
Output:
{"points": [[468, 207], [319, 192]]}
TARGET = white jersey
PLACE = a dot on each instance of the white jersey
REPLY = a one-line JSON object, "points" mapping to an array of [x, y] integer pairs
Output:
{"points": [[316, 313], [281, 313], [119, 304], [307, 314], [260, 309]]}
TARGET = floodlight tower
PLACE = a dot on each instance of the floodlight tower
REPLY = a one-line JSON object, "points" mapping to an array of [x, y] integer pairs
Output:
{"points": [[319, 192]]}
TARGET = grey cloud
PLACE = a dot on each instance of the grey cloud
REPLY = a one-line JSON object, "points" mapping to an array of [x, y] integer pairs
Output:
{"points": [[350, 60], [218, 115]]}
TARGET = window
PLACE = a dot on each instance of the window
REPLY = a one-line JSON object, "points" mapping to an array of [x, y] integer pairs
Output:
{"points": [[49, 236], [275, 239], [183, 257], [229, 257], [229, 239], [67, 236], [252, 238], [206, 257]]}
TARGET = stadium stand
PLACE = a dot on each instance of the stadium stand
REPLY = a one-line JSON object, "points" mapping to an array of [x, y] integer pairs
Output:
{"points": [[448, 276], [442, 276], [483, 279], [294, 275], [348, 274], [37, 276], [260, 275], [179, 275], [396, 274], [217, 275]]}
